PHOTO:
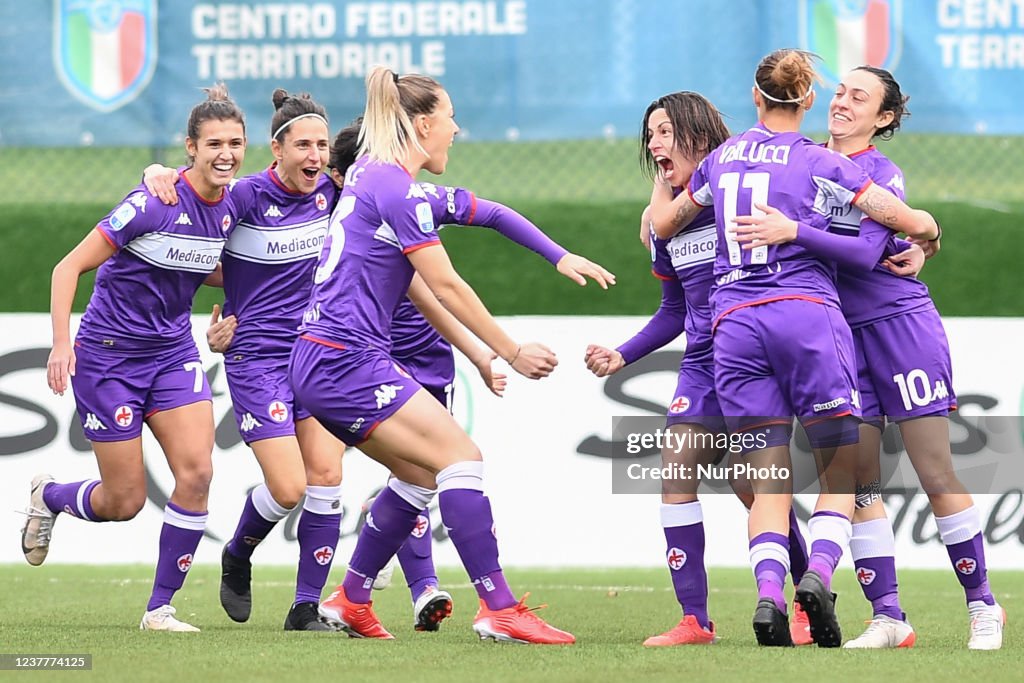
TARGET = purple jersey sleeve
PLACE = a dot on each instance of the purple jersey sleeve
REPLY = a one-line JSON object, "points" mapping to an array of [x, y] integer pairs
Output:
{"points": [[410, 217], [839, 180], [243, 195], [667, 323], [858, 252], [138, 214], [513, 226], [699, 188]]}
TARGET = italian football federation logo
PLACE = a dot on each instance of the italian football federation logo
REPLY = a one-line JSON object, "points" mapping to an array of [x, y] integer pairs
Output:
{"points": [[104, 51], [851, 33]]}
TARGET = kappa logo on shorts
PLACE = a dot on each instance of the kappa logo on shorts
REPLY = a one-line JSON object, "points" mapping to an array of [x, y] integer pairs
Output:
{"points": [[321, 201], [323, 555], [829, 405], [680, 404], [355, 426], [422, 524], [966, 565], [676, 559], [124, 416], [92, 422], [249, 423], [386, 394], [185, 563], [866, 576], [277, 411]]}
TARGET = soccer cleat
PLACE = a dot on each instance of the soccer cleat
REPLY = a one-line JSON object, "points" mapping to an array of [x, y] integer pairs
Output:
{"points": [[883, 633], [686, 632], [356, 619], [235, 586], [771, 625], [303, 616], [383, 579], [35, 536], [431, 608], [819, 604], [987, 623], [162, 619], [518, 624], [799, 627]]}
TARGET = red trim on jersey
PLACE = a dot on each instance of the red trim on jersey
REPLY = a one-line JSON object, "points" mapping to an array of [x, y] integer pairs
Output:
{"points": [[215, 202], [472, 209], [811, 423], [417, 247], [769, 423], [107, 238], [862, 190], [277, 181], [315, 340], [771, 299], [658, 275], [368, 433], [869, 148], [405, 169]]}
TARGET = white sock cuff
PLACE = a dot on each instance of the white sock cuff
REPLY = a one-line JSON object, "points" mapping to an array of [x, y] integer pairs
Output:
{"points": [[468, 474], [268, 508], [194, 521], [959, 527], [873, 538], [80, 498], [830, 528], [681, 514], [417, 496], [769, 551], [323, 500]]}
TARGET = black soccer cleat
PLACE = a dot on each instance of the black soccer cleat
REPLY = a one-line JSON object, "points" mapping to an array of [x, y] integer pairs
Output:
{"points": [[771, 625], [235, 586], [303, 616], [819, 604]]}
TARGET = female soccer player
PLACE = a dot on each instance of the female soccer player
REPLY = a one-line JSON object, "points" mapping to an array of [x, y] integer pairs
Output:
{"points": [[381, 232], [684, 265], [914, 390], [134, 359], [781, 345]]}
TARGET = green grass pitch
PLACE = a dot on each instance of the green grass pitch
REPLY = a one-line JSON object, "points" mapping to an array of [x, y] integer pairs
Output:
{"points": [[96, 609]]}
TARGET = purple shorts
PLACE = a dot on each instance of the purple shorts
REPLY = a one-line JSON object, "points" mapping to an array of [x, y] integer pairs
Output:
{"points": [[695, 401], [909, 373], [116, 391], [434, 368], [262, 398], [786, 358], [349, 391]]}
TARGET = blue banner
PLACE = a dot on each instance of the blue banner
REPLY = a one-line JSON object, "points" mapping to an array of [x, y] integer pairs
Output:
{"points": [[126, 72]]}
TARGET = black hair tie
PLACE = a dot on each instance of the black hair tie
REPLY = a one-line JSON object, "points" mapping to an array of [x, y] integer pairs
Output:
{"points": [[395, 76]]}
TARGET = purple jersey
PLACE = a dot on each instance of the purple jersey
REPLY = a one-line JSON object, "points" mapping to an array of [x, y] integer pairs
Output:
{"points": [[690, 257], [792, 174], [878, 294], [410, 331], [269, 260], [143, 293], [382, 215]]}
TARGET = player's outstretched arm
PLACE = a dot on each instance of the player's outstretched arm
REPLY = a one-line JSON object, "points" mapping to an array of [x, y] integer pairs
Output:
{"points": [[889, 210], [531, 360]]}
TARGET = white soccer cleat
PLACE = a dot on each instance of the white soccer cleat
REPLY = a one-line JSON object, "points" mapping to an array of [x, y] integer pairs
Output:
{"points": [[884, 633], [35, 536], [384, 576], [431, 608], [162, 619], [986, 626]]}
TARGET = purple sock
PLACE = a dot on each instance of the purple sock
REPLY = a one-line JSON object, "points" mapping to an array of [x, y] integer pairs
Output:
{"points": [[797, 549], [877, 578], [830, 533], [318, 536], [416, 557], [260, 515], [388, 523], [769, 553], [961, 534], [75, 499], [179, 537], [683, 525], [467, 515]]}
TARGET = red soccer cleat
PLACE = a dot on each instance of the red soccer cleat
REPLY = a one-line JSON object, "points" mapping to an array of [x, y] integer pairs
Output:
{"points": [[518, 624], [800, 626], [355, 619], [686, 632]]}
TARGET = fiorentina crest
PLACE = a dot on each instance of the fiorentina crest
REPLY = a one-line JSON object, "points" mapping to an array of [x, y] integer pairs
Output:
{"points": [[104, 51], [852, 33]]}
